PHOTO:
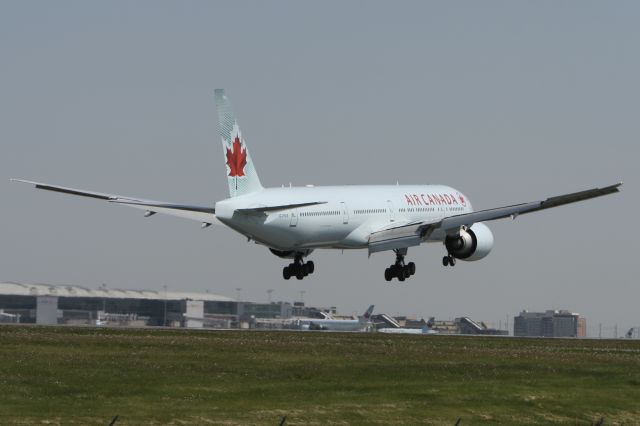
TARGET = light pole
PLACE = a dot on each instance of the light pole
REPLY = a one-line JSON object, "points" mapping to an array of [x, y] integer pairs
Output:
{"points": [[269, 294], [238, 291], [164, 321], [302, 292], [103, 287]]}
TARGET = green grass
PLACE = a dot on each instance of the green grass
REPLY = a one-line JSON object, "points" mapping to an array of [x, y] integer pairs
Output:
{"points": [[77, 376]]}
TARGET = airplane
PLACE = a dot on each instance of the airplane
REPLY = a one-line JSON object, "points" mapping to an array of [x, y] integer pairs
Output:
{"points": [[427, 329], [423, 330], [292, 222], [359, 324]]}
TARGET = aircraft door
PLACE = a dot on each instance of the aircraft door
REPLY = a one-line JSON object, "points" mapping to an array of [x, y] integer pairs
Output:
{"points": [[345, 212], [294, 219], [391, 212]]}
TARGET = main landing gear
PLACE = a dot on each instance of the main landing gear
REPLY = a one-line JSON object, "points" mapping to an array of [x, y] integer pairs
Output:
{"points": [[298, 269], [400, 270], [449, 260]]}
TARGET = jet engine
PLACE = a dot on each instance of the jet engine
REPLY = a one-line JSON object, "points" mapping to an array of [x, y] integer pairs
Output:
{"points": [[471, 244], [291, 254]]}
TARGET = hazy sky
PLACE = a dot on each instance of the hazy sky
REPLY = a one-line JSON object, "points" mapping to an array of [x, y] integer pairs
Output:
{"points": [[506, 101]]}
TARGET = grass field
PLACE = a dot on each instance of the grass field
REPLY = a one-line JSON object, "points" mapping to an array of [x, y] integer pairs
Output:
{"points": [[78, 376]]}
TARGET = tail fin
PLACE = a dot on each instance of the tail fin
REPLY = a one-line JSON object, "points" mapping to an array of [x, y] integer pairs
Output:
{"points": [[367, 314], [241, 174]]}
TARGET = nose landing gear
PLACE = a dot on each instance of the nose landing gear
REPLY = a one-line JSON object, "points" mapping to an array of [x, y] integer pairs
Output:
{"points": [[298, 269], [400, 270]]}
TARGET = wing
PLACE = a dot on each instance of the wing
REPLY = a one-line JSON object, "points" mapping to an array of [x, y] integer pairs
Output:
{"points": [[412, 234], [206, 215]]}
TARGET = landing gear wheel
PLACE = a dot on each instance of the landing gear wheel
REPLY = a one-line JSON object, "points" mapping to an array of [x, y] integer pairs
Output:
{"points": [[388, 275], [452, 261], [445, 261], [298, 268], [399, 269], [393, 271], [286, 273]]}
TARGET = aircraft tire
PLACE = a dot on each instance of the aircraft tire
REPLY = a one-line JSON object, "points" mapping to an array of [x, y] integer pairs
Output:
{"points": [[400, 276], [286, 273], [311, 266], [387, 274], [406, 271], [445, 261], [395, 270], [452, 261], [300, 274], [412, 268]]}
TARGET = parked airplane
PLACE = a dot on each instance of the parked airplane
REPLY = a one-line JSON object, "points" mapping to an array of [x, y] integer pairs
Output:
{"points": [[427, 329], [423, 330], [294, 221], [343, 325]]}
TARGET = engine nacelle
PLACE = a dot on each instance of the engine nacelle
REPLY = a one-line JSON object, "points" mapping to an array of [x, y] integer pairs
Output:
{"points": [[472, 244], [291, 254]]}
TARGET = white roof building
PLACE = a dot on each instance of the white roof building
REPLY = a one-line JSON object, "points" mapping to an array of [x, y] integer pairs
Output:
{"points": [[20, 289]]}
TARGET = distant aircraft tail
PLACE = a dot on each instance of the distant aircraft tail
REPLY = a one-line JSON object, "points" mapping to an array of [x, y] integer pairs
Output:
{"points": [[367, 315], [428, 328], [241, 174], [431, 322]]}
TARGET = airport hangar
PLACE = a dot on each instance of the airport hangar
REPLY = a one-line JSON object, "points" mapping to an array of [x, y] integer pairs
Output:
{"points": [[76, 305]]}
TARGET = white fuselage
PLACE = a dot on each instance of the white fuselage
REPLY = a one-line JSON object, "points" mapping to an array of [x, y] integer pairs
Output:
{"points": [[407, 331], [339, 325], [346, 220]]}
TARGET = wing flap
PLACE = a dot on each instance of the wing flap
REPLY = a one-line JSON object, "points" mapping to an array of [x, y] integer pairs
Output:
{"points": [[398, 236]]}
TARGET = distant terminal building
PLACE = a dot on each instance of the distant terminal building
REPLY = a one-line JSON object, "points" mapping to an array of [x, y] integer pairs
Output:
{"points": [[551, 323], [301, 310], [53, 304]]}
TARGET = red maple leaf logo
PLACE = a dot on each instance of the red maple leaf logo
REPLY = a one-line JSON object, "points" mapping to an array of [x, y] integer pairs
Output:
{"points": [[461, 198], [236, 158]]}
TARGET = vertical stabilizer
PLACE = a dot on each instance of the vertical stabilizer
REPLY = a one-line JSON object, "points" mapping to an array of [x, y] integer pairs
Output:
{"points": [[367, 315], [241, 174]]}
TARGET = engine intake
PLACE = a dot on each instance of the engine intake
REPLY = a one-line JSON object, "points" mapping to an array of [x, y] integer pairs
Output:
{"points": [[472, 244]]}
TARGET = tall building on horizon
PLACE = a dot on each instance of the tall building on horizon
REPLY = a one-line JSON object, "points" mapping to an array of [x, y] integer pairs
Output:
{"points": [[551, 323]]}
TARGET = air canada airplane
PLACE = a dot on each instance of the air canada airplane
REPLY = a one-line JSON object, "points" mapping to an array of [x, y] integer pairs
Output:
{"points": [[292, 222]]}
